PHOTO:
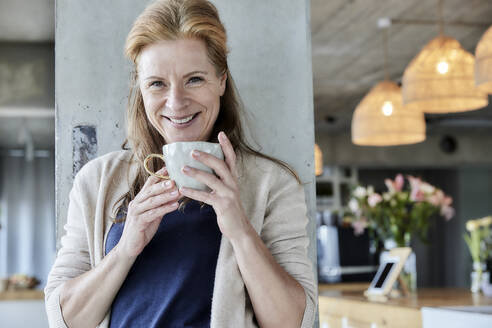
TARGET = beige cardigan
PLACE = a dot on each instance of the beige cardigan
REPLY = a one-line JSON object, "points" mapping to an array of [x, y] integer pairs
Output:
{"points": [[272, 199]]}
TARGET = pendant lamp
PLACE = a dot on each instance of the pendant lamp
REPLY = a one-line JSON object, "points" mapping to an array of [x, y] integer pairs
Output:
{"points": [[483, 62], [440, 79], [318, 161], [380, 119]]}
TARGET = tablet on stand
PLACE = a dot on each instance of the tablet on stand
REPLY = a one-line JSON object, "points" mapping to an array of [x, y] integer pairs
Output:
{"points": [[387, 274]]}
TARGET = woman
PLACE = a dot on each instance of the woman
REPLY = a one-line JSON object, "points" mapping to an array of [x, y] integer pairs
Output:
{"points": [[234, 257]]}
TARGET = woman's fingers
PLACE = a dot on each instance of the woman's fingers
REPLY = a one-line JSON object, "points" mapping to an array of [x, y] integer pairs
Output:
{"points": [[229, 154], [159, 212], [157, 201], [207, 178], [219, 166], [154, 187], [201, 196], [152, 179]]}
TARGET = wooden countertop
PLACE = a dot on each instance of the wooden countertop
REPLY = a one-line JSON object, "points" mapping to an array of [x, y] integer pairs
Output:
{"points": [[16, 295], [429, 297], [344, 305]]}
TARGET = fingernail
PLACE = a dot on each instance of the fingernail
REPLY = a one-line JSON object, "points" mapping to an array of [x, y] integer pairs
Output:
{"points": [[174, 193], [195, 153], [186, 168], [168, 183]]}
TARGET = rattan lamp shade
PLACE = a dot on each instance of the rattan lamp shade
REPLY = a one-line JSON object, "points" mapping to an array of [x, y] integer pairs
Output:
{"points": [[483, 62], [381, 120], [440, 79], [318, 161]]}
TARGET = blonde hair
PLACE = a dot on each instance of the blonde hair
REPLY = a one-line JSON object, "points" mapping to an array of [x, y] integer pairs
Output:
{"points": [[172, 20]]}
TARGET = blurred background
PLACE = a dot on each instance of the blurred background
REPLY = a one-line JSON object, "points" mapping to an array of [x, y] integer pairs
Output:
{"points": [[27, 159], [348, 51], [350, 55]]}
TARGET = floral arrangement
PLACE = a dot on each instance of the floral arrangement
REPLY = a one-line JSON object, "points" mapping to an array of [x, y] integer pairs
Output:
{"points": [[399, 212], [478, 239]]}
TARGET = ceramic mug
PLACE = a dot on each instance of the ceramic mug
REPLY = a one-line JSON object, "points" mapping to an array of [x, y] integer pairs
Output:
{"points": [[178, 154]]}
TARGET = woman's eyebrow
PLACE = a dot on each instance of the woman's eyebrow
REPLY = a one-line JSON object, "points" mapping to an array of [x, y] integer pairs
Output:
{"points": [[195, 72], [153, 77]]}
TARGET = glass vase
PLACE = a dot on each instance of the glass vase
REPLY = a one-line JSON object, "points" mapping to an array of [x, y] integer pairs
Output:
{"points": [[478, 276]]}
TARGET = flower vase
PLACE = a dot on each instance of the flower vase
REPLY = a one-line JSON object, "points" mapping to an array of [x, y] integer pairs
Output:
{"points": [[478, 276], [408, 273]]}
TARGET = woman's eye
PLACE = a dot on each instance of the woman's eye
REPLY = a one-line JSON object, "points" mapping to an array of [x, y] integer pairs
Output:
{"points": [[195, 79], [156, 84]]}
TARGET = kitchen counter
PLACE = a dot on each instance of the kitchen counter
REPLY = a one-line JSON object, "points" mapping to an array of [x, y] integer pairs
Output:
{"points": [[28, 294], [344, 305]]}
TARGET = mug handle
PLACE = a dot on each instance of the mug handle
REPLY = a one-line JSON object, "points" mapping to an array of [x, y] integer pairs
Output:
{"points": [[146, 161]]}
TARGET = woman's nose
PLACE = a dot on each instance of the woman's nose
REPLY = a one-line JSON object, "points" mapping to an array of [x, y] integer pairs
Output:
{"points": [[176, 99]]}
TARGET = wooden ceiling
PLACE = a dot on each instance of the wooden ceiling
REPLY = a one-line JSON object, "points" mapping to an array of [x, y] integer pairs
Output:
{"points": [[348, 54]]}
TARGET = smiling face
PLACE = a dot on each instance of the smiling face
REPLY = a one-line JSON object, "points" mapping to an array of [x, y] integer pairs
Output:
{"points": [[180, 89]]}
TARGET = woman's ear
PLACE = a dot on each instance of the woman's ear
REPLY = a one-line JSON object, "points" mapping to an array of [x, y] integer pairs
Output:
{"points": [[222, 84]]}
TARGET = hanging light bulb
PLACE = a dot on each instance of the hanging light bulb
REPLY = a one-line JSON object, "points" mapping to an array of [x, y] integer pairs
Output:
{"points": [[387, 108], [483, 63], [442, 67]]}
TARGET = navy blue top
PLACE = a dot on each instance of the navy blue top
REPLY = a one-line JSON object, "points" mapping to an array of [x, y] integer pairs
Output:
{"points": [[171, 282]]}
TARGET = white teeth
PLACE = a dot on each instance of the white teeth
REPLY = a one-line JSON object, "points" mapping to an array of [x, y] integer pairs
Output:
{"points": [[184, 120]]}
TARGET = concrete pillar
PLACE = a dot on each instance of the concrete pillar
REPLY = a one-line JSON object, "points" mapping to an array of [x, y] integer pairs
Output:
{"points": [[270, 61]]}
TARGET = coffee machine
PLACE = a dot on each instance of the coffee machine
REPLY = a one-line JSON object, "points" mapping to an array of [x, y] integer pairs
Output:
{"points": [[343, 256]]}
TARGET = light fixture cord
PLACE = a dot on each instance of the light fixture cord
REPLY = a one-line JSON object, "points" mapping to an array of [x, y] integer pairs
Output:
{"points": [[385, 53], [440, 18]]}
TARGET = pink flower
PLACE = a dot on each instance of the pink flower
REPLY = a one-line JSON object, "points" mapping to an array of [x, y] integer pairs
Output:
{"points": [[447, 212], [414, 182], [399, 181], [447, 201], [416, 194], [359, 226], [374, 199], [389, 185], [395, 186], [436, 198], [427, 188]]}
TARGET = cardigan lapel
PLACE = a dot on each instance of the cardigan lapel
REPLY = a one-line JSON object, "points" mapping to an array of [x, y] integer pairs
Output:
{"points": [[229, 308]]}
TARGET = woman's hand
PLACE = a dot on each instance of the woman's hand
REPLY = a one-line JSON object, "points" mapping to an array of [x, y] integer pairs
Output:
{"points": [[224, 197], [145, 212]]}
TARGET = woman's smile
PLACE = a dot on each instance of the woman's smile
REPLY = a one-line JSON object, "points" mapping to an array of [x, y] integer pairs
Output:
{"points": [[182, 122]]}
